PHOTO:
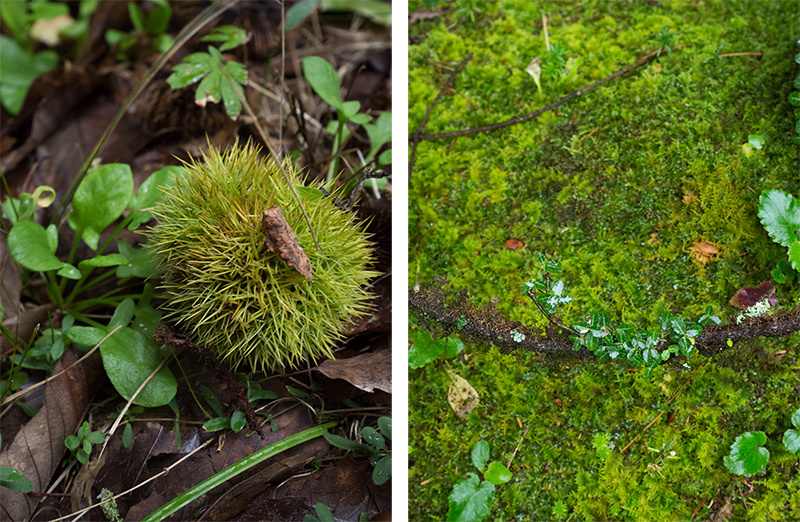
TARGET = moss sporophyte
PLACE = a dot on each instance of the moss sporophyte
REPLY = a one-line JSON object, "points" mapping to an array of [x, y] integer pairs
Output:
{"points": [[232, 294]]}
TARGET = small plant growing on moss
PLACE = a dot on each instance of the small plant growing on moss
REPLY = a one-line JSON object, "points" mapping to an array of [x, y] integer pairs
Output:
{"points": [[243, 301], [471, 498]]}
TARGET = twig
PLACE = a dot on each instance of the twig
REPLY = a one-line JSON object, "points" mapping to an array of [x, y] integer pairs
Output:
{"points": [[424, 121], [520, 119], [553, 319], [517, 448], [758, 55]]}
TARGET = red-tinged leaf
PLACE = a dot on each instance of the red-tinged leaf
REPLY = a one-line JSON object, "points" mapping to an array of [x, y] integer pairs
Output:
{"points": [[750, 295], [513, 244]]}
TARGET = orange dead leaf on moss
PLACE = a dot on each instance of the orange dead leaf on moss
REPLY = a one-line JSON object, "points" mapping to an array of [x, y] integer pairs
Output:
{"points": [[703, 252], [513, 244]]}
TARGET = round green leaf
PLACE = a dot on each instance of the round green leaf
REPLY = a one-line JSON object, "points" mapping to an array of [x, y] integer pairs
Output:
{"points": [[70, 272], [791, 439], [129, 357], [747, 456], [424, 350], [385, 425], [780, 215], [101, 198], [29, 244], [497, 473], [373, 438]]}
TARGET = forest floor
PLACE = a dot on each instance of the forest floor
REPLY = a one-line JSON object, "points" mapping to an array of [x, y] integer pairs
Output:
{"points": [[45, 142]]}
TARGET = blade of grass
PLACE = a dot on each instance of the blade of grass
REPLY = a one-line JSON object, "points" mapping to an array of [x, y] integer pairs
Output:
{"points": [[231, 471]]}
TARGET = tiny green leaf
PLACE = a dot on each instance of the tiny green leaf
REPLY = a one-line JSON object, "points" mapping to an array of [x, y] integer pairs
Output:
{"points": [[238, 421], [383, 470], [496, 473], [480, 454], [385, 425], [217, 424], [424, 350], [346, 444], [230, 36], [299, 12], [373, 438]]}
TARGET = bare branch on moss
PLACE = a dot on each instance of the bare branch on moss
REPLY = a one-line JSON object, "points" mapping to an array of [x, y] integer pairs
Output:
{"points": [[424, 121], [417, 136], [487, 326]]}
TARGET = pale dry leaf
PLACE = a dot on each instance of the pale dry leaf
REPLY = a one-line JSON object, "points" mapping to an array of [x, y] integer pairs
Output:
{"points": [[462, 396], [368, 371]]}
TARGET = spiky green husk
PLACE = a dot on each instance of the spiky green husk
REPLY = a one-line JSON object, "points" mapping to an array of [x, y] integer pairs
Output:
{"points": [[230, 293]]}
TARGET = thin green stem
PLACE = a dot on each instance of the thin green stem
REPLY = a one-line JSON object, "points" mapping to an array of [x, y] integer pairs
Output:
{"points": [[235, 469]]}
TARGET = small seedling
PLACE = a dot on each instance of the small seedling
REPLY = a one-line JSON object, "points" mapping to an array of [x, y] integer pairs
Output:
{"points": [[380, 456], [154, 26], [425, 349], [81, 444], [100, 200], [471, 499]]}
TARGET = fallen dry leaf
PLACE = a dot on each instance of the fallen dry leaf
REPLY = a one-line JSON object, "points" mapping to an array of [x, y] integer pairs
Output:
{"points": [[462, 396], [703, 252], [368, 371], [513, 244], [750, 295], [282, 241], [38, 447]]}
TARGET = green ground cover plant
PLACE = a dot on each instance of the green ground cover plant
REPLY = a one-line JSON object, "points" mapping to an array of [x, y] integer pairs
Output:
{"points": [[643, 193]]}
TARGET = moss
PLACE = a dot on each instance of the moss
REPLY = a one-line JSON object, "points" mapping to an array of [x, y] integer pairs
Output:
{"points": [[618, 185]]}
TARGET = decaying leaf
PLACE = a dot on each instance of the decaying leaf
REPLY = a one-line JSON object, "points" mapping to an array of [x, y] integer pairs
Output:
{"points": [[535, 69], [703, 252], [750, 295], [368, 372], [282, 241], [462, 396]]}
